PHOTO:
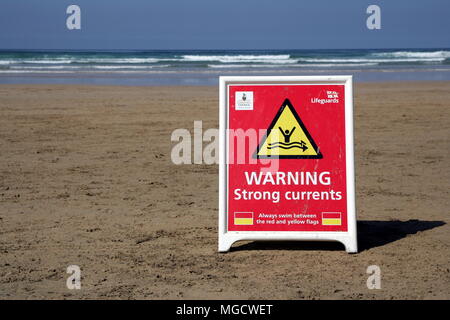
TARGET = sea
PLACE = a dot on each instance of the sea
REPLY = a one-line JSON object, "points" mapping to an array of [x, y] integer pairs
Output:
{"points": [[203, 67]]}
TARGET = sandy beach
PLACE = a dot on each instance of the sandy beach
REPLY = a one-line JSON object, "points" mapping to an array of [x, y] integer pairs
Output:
{"points": [[86, 178]]}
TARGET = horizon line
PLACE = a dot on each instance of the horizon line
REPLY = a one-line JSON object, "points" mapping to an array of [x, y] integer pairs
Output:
{"points": [[286, 49]]}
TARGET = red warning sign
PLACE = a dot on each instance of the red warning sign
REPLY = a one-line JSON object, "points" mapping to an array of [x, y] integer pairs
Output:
{"points": [[287, 160]]}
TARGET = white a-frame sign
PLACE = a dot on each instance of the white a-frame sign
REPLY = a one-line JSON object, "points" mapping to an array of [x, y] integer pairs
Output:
{"points": [[286, 160]]}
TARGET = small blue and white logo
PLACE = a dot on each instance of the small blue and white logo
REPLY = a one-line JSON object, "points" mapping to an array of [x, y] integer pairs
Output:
{"points": [[244, 100]]}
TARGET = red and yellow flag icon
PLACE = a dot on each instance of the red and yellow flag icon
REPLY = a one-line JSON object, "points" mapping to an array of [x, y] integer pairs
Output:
{"points": [[331, 219], [243, 218]]}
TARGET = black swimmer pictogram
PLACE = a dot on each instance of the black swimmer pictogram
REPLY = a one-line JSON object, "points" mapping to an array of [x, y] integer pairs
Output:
{"points": [[286, 144], [287, 134], [287, 137]]}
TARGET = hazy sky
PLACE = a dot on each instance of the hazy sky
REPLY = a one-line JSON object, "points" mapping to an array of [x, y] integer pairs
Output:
{"points": [[227, 24]]}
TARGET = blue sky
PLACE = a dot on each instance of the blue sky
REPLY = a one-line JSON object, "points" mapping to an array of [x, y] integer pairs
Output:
{"points": [[228, 24]]}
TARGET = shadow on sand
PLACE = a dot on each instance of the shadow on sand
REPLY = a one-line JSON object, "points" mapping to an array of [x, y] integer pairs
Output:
{"points": [[371, 234]]}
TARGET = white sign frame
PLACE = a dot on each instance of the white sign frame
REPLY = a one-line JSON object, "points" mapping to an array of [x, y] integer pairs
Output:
{"points": [[227, 238]]}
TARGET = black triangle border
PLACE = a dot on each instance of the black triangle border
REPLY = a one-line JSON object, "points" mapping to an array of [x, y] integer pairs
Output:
{"points": [[288, 104]]}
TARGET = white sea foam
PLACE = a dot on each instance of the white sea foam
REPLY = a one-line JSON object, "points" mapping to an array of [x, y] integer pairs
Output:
{"points": [[273, 59], [84, 60], [370, 60], [414, 54], [226, 66], [43, 67], [105, 67], [118, 60], [234, 60], [325, 65], [128, 67], [176, 62], [320, 65]]}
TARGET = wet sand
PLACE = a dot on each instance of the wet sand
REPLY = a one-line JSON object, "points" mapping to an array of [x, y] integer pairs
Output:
{"points": [[86, 178]]}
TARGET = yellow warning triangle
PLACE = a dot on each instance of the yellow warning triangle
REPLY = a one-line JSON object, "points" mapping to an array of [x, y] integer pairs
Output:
{"points": [[287, 137]]}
